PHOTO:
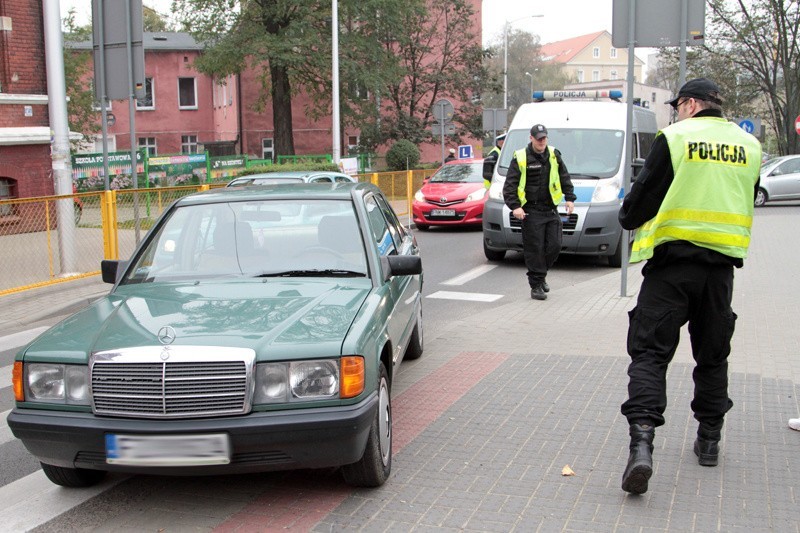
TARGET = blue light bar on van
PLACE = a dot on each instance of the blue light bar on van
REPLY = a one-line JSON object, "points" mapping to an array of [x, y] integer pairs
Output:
{"points": [[551, 95]]}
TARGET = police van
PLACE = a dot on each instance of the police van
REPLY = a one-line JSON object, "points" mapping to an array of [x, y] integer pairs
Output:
{"points": [[588, 128]]}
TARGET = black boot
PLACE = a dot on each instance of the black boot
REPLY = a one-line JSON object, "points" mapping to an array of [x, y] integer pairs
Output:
{"points": [[706, 447], [640, 460]]}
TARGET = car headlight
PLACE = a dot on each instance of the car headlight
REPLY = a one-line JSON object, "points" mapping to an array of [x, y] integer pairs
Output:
{"points": [[418, 196], [299, 381], [52, 383], [606, 191], [477, 195], [496, 189]]}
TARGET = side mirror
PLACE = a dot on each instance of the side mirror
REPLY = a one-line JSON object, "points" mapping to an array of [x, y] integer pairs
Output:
{"points": [[111, 270], [637, 165], [488, 169], [401, 265]]}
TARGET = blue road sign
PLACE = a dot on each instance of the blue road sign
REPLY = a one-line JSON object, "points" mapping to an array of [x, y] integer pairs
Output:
{"points": [[465, 151], [747, 126]]}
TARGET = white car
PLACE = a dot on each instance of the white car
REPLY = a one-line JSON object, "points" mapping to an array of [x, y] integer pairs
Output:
{"points": [[292, 176], [780, 180]]}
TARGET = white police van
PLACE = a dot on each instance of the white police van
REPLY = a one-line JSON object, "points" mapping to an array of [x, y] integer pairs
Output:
{"points": [[588, 128]]}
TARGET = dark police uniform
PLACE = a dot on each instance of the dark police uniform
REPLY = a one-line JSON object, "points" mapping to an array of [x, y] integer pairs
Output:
{"points": [[541, 227], [684, 281]]}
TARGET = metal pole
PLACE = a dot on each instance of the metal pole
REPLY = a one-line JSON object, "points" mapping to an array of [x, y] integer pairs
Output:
{"points": [[623, 290], [683, 42], [61, 164], [101, 91], [505, 66], [444, 124], [132, 113], [335, 80]]}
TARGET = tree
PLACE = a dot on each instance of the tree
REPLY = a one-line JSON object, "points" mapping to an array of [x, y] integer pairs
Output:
{"points": [[82, 114], [524, 55], [757, 40], [153, 21]]}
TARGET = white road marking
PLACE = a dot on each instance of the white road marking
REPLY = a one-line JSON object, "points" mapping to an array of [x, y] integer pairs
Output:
{"points": [[469, 275], [21, 338], [466, 296], [33, 500], [5, 431], [5, 375]]}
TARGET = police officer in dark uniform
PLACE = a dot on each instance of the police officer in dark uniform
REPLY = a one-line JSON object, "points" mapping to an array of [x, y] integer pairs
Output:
{"points": [[692, 207], [536, 182], [490, 161]]}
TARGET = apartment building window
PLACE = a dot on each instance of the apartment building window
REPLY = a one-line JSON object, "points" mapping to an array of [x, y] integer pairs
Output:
{"points": [[149, 144], [268, 148], [8, 190], [579, 74], [596, 52], [189, 144], [653, 97], [187, 93], [595, 75], [614, 75], [613, 53], [149, 101]]}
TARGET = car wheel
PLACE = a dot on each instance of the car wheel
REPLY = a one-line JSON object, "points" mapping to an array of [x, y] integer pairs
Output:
{"points": [[761, 197], [72, 477], [78, 212], [493, 255], [373, 469], [422, 227], [416, 343]]}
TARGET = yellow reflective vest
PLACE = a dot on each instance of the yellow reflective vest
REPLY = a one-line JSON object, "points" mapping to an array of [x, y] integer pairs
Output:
{"points": [[555, 178], [710, 200]]}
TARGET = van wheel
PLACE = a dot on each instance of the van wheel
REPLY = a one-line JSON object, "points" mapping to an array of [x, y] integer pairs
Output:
{"points": [[493, 255], [72, 477], [761, 197]]}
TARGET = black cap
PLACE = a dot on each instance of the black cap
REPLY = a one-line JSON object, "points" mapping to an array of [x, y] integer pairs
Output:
{"points": [[538, 131], [699, 88]]}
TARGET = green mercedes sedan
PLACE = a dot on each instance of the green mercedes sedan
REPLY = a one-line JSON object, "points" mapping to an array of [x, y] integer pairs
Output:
{"points": [[254, 329]]}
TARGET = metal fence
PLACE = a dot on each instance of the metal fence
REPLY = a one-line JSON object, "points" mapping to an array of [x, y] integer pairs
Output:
{"points": [[109, 225]]}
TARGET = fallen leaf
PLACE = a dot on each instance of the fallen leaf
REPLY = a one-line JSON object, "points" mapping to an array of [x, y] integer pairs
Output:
{"points": [[567, 471]]}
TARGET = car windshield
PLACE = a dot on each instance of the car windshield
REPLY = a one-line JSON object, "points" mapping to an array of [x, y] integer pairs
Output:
{"points": [[586, 152], [256, 238], [459, 173], [264, 181]]}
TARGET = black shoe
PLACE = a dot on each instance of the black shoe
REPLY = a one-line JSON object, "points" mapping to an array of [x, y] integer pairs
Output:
{"points": [[545, 286], [707, 451], [640, 461], [537, 293]]}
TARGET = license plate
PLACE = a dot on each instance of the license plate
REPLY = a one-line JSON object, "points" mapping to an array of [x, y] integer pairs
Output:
{"points": [[443, 212], [168, 450]]}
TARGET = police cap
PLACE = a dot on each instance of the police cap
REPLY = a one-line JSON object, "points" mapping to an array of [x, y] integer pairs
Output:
{"points": [[699, 88]]}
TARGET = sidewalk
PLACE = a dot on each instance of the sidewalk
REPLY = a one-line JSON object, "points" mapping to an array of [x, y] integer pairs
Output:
{"points": [[500, 403]]}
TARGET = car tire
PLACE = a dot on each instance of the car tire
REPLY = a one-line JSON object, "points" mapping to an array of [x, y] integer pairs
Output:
{"points": [[374, 467], [416, 343], [493, 255], [422, 227], [761, 198], [72, 477]]}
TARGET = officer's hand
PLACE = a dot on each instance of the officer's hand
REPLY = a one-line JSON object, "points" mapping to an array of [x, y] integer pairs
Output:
{"points": [[570, 207], [518, 213]]}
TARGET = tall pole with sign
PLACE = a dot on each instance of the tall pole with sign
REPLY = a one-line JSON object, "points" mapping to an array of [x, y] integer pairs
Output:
{"points": [[443, 113]]}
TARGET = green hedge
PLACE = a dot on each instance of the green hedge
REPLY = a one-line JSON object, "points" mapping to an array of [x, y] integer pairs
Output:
{"points": [[331, 167]]}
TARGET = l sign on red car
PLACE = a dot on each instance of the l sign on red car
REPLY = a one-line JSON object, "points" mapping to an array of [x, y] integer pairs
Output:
{"points": [[453, 196]]}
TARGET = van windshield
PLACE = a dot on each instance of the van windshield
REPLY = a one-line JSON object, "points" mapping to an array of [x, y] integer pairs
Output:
{"points": [[591, 153]]}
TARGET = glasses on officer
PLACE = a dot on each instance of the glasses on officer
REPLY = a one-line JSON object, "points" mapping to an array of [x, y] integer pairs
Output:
{"points": [[676, 105]]}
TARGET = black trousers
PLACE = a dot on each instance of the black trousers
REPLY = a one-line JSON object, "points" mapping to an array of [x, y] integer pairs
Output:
{"points": [[541, 242], [670, 296]]}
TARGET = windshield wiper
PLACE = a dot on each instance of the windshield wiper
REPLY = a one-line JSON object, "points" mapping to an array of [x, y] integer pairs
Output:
{"points": [[313, 273]]}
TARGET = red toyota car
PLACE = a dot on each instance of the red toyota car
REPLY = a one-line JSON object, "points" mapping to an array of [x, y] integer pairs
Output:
{"points": [[453, 196]]}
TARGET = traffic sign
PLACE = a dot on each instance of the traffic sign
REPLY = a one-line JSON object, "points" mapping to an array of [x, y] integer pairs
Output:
{"points": [[747, 126], [465, 151], [446, 129], [797, 124], [443, 110], [751, 125]]}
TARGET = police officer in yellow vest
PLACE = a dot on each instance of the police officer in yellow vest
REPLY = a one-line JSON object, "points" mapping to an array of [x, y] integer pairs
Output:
{"points": [[536, 182], [492, 157], [692, 207]]}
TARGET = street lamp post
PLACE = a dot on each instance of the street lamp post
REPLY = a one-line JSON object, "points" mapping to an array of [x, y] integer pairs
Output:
{"points": [[505, 56], [530, 93]]}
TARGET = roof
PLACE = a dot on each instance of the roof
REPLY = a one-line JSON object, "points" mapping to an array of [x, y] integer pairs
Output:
{"points": [[564, 51], [306, 191], [153, 41]]}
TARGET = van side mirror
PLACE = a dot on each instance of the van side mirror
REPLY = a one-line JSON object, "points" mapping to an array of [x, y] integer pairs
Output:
{"points": [[488, 169], [637, 165]]}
